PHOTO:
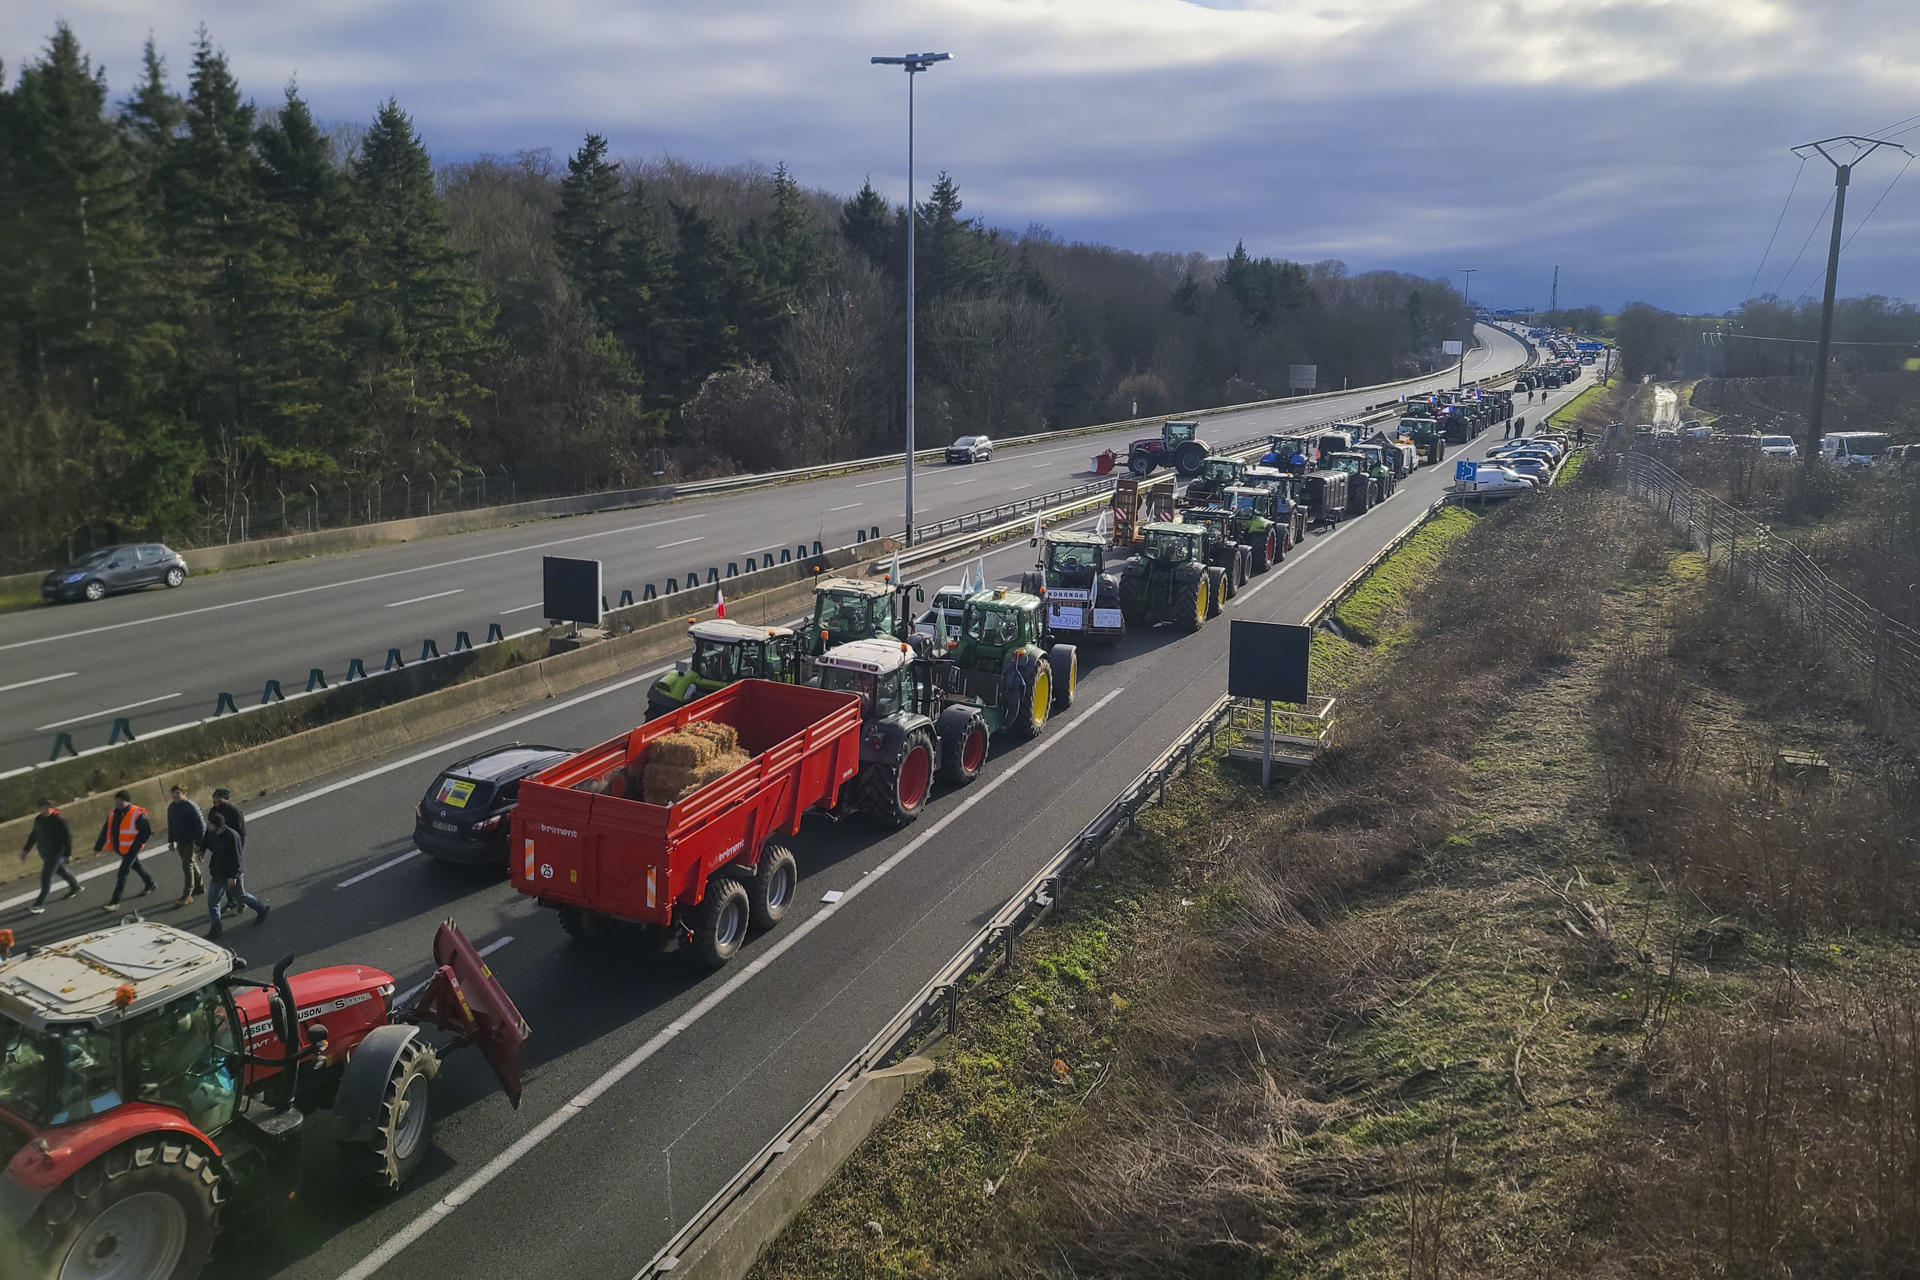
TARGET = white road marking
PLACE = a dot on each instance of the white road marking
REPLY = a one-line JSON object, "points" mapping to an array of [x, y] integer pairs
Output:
{"points": [[668, 546], [110, 711], [348, 582], [889, 480], [1016, 488], [401, 1000], [388, 865], [575, 1106], [21, 684], [435, 596], [850, 506], [1039, 465], [522, 608], [958, 483]]}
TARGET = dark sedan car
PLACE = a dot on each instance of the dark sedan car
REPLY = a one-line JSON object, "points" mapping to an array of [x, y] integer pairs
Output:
{"points": [[970, 449], [101, 573], [467, 813]]}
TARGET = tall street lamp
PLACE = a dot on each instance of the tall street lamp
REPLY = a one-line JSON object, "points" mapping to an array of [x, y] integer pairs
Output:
{"points": [[912, 63], [1466, 339]]}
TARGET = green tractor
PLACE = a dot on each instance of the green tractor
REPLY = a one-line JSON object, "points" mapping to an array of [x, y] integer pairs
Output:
{"points": [[846, 609], [1289, 508], [725, 651], [1002, 662], [1218, 473], [1424, 430], [909, 735], [1170, 580], [1224, 549], [1082, 598], [1258, 525]]}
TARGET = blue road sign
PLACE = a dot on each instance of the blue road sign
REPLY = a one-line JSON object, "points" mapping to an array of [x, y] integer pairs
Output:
{"points": [[1463, 470]]}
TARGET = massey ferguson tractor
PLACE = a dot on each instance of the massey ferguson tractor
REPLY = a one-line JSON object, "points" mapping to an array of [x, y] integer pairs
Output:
{"points": [[150, 1095], [1177, 446]]}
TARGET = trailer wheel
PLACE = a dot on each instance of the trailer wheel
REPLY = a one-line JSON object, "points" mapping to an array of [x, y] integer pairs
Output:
{"points": [[147, 1208], [770, 890], [403, 1129], [963, 744], [720, 922]]}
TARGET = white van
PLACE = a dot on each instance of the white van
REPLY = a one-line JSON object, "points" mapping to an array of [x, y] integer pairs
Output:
{"points": [[1854, 448]]}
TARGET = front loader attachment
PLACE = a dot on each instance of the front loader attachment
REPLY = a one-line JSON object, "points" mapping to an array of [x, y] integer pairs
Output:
{"points": [[465, 999]]}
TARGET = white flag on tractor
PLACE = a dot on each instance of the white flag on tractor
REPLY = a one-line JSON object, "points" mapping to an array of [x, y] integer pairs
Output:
{"points": [[1037, 526], [893, 574], [1103, 525], [719, 603], [980, 574]]}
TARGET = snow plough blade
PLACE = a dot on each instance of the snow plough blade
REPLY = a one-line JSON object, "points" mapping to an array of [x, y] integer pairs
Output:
{"points": [[465, 999]]}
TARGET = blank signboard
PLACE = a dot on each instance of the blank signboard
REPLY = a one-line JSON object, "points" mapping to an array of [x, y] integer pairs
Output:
{"points": [[1268, 661], [570, 589]]}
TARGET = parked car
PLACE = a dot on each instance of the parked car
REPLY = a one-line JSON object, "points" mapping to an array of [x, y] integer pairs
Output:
{"points": [[1904, 456], [99, 574], [1854, 448], [467, 812], [1538, 469], [1779, 447], [970, 449]]}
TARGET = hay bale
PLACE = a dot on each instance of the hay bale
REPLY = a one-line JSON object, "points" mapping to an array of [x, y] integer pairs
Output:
{"points": [[664, 783], [724, 736]]}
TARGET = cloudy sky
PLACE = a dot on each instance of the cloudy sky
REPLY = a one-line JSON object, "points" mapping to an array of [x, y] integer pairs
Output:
{"points": [[1642, 145]]}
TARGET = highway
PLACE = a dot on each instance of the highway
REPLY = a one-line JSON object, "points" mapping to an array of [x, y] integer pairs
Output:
{"points": [[649, 1081], [161, 657]]}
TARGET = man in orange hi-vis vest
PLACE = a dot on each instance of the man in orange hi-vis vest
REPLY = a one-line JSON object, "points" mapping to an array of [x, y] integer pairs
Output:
{"points": [[125, 832]]}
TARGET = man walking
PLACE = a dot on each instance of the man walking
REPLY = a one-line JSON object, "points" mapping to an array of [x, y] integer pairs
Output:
{"points": [[224, 870], [186, 829], [54, 839], [236, 821], [126, 832]]}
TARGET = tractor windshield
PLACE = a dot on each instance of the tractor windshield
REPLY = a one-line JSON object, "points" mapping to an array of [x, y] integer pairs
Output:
{"points": [[1069, 565], [58, 1077], [1178, 432], [1246, 504], [846, 680], [848, 615], [722, 660], [1163, 544], [996, 628], [1222, 470], [184, 1055]]}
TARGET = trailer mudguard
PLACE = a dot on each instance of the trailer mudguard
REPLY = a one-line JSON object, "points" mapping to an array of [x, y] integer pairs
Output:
{"points": [[363, 1082]]}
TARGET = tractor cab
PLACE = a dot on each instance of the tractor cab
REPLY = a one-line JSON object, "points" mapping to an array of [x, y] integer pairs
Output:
{"points": [[1175, 434], [847, 609], [996, 624], [1169, 542], [1216, 473], [1072, 563], [1248, 502], [881, 672], [725, 651], [1178, 445], [1292, 452]]}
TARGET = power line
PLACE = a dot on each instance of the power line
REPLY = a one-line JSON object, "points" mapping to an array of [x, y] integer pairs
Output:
{"points": [[1859, 226], [1881, 133], [1812, 231], [1791, 188]]}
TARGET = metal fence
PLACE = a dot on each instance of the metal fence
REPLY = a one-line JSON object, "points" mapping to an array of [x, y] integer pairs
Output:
{"points": [[1876, 653], [308, 508]]}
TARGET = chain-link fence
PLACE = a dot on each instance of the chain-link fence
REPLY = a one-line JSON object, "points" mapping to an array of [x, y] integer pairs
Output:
{"points": [[309, 508], [1877, 654]]}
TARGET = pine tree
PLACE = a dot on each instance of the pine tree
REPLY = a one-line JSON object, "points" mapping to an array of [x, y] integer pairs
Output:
{"points": [[955, 256], [151, 120], [420, 328], [638, 318], [588, 228], [868, 226], [711, 282]]}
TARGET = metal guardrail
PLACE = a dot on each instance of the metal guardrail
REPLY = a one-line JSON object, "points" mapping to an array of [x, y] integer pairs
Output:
{"points": [[935, 1010], [1025, 506], [1878, 653]]}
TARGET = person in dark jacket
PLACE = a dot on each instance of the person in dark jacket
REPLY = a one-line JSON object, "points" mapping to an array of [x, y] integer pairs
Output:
{"points": [[224, 806], [125, 832], [186, 829], [224, 869], [54, 839]]}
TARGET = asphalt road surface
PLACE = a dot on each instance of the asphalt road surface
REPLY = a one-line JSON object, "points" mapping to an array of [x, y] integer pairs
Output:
{"points": [[161, 658], [649, 1082]]}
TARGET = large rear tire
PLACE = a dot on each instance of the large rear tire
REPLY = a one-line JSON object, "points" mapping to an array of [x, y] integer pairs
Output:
{"points": [[1196, 601], [720, 921], [147, 1208], [1031, 582], [894, 794], [403, 1128], [1140, 463], [1218, 592], [1133, 598], [1190, 458], [1026, 694], [963, 744], [771, 886], [1263, 547]]}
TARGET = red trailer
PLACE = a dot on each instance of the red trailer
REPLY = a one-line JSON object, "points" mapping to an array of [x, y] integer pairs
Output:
{"points": [[701, 869]]}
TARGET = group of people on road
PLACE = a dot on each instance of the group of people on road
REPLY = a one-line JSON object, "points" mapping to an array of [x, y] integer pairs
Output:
{"points": [[220, 834]]}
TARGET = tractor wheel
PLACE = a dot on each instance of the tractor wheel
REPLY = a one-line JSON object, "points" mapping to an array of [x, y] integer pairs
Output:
{"points": [[894, 794], [770, 888], [1227, 587], [404, 1129], [1190, 458], [1196, 601], [1140, 463], [1026, 694], [1133, 598], [720, 921], [1031, 582], [147, 1208], [1220, 591], [963, 744], [1065, 661], [1242, 566], [1263, 552], [584, 926]]}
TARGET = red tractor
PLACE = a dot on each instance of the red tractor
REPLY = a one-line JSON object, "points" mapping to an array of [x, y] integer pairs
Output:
{"points": [[148, 1093], [1177, 446]]}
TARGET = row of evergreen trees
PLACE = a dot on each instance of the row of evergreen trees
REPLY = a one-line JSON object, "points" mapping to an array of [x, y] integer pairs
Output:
{"points": [[205, 303]]}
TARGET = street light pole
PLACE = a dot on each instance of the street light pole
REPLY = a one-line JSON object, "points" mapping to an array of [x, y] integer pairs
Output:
{"points": [[1466, 339], [912, 63], [1842, 174]]}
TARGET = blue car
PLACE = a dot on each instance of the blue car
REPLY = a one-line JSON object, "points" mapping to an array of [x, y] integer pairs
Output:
{"points": [[99, 574]]}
